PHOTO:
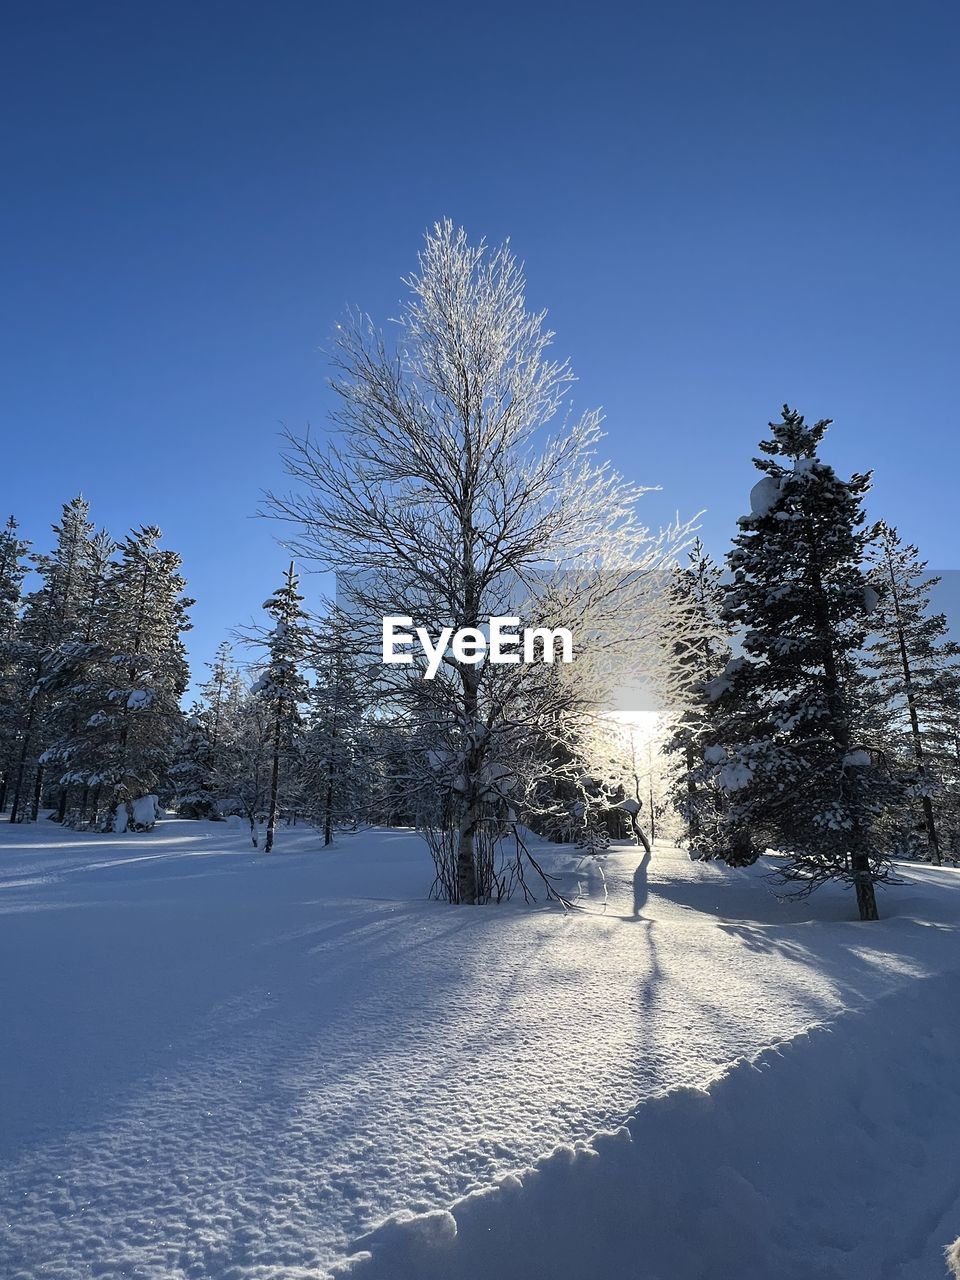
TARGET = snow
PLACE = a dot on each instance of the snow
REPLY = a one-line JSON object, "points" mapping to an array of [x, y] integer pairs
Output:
{"points": [[735, 776], [734, 1179], [144, 811], [233, 1067], [764, 496], [857, 760]]}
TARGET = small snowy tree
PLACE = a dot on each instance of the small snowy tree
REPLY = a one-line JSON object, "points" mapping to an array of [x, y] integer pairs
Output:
{"points": [[198, 774], [790, 766], [337, 748], [282, 686], [242, 767]]}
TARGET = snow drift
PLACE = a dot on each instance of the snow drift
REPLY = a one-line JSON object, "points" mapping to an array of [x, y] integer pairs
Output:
{"points": [[831, 1157]]}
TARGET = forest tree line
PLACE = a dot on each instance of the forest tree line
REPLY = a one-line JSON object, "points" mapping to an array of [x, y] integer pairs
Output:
{"points": [[808, 692]]}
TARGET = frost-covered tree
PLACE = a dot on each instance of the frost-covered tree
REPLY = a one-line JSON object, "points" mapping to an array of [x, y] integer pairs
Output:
{"points": [[942, 729], [282, 686], [790, 765], [337, 773], [242, 768], [700, 649], [446, 501], [13, 568], [199, 775], [908, 661]]}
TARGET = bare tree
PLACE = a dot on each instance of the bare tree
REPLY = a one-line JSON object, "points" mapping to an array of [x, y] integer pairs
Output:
{"points": [[445, 500]]}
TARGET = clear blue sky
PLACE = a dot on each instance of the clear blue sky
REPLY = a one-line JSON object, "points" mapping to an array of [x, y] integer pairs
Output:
{"points": [[723, 206]]}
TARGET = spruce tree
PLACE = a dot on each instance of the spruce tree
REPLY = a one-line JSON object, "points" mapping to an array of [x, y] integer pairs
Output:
{"points": [[908, 660], [123, 748], [76, 698], [790, 766], [336, 749], [49, 653], [700, 650], [282, 687], [13, 568], [200, 772]]}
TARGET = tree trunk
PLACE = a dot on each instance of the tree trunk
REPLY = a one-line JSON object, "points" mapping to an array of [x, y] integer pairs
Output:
{"points": [[274, 788], [639, 833], [328, 810], [693, 817], [467, 863], [22, 763], [866, 891], [37, 793]]}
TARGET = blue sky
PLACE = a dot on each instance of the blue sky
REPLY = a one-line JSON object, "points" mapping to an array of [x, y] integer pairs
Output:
{"points": [[722, 206]]}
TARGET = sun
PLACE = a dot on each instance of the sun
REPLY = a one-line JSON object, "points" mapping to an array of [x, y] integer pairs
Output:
{"points": [[643, 726]]}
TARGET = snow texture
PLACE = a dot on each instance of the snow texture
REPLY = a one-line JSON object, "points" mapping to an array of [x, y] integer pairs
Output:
{"points": [[727, 1180], [222, 1066], [764, 496]]}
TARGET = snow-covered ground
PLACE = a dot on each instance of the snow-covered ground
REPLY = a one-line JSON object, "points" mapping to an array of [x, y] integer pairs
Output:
{"points": [[222, 1065]]}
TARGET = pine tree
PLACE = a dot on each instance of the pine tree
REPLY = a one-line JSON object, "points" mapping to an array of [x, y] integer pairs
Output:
{"points": [[790, 766], [13, 568], [122, 750], [908, 660], [700, 650], [942, 729], [337, 748], [49, 653], [76, 696], [243, 766], [200, 772], [282, 686]]}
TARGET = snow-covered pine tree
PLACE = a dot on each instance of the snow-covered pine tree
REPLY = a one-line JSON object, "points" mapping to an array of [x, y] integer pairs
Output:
{"points": [[243, 765], [49, 648], [907, 662], [13, 568], [942, 728], [282, 687], [791, 768], [77, 694], [199, 775], [126, 745], [336, 775], [700, 649]]}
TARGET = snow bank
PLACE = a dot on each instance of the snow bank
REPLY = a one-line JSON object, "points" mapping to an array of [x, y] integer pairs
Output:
{"points": [[832, 1156]]}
